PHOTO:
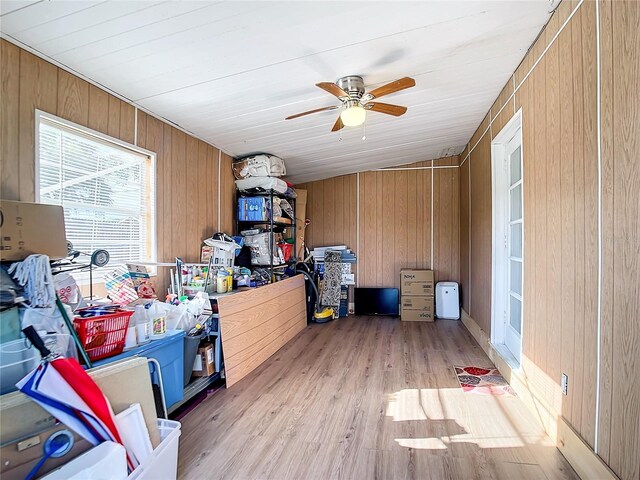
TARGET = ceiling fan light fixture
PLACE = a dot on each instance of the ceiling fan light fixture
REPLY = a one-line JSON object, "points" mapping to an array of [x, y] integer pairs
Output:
{"points": [[353, 116]]}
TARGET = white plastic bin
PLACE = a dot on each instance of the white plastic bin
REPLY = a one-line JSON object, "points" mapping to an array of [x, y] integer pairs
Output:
{"points": [[162, 464], [447, 301], [17, 359]]}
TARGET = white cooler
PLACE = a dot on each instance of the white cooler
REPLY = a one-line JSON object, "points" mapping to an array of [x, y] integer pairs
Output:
{"points": [[447, 301]]}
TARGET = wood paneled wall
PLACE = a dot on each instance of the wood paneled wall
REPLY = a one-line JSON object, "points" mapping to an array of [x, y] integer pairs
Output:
{"points": [[559, 101], [187, 179], [332, 209], [619, 427], [395, 219], [228, 207]]}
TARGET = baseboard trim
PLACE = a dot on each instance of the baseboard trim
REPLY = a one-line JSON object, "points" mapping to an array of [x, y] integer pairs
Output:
{"points": [[579, 454], [583, 460]]}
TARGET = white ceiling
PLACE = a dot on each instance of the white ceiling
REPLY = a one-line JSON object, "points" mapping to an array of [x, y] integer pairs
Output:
{"points": [[230, 72]]}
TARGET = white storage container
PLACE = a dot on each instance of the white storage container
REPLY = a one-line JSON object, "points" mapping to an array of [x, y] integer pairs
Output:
{"points": [[163, 461], [17, 359], [447, 301], [107, 461]]}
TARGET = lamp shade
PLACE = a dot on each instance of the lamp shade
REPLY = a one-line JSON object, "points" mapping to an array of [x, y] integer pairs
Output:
{"points": [[353, 116]]}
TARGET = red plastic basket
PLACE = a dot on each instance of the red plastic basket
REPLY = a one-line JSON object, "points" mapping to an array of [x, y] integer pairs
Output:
{"points": [[103, 336]]}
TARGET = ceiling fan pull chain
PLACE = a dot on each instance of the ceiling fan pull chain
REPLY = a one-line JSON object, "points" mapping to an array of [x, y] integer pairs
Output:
{"points": [[364, 131]]}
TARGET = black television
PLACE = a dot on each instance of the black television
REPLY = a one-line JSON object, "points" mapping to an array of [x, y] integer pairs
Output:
{"points": [[376, 301]]}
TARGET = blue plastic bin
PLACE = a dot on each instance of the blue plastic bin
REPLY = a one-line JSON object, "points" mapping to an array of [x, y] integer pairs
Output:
{"points": [[169, 352]]}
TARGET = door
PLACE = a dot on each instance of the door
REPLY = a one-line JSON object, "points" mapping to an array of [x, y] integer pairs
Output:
{"points": [[508, 241], [514, 247]]}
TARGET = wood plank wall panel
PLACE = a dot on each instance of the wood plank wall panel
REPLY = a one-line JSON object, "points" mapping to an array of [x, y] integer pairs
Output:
{"points": [[620, 428], [465, 229], [590, 156], [480, 248], [331, 208], [497, 110], [395, 220], [484, 125], [9, 121], [98, 104], [191, 193], [581, 277], [560, 137], [257, 323], [38, 90], [73, 98], [608, 213], [446, 220], [186, 168], [228, 209], [567, 239]]}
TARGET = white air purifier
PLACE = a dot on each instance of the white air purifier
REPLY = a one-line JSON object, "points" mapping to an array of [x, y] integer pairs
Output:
{"points": [[447, 301]]}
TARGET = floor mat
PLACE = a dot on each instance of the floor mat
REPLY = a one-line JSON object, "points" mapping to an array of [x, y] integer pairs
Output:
{"points": [[484, 381]]}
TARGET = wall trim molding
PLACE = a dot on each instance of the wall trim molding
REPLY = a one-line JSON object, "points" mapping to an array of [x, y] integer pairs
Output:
{"points": [[357, 226], [587, 464], [219, 189], [599, 148], [404, 169]]}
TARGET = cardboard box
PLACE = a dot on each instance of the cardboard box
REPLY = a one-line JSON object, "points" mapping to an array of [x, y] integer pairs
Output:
{"points": [[424, 315], [417, 302], [204, 363], [28, 228], [416, 282]]}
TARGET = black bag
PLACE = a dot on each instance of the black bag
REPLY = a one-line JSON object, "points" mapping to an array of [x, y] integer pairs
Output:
{"points": [[243, 259]]}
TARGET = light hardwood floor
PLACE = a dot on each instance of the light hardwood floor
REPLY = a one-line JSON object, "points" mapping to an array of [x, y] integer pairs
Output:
{"points": [[366, 398]]}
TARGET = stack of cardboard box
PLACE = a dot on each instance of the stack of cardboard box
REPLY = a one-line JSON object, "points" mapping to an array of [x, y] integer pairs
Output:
{"points": [[417, 290]]}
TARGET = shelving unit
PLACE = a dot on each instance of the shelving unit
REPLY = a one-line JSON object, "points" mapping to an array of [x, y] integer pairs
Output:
{"points": [[246, 224]]}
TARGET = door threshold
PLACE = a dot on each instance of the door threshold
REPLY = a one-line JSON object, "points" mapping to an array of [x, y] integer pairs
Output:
{"points": [[506, 355]]}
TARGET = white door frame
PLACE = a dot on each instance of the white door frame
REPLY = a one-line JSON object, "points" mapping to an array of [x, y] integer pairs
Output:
{"points": [[500, 225]]}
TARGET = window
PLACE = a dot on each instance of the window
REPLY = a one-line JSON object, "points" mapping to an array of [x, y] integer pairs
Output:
{"points": [[107, 189]]}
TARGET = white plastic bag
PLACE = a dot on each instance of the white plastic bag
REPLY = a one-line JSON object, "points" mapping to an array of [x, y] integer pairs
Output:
{"points": [[45, 319], [261, 165], [68, 291]]}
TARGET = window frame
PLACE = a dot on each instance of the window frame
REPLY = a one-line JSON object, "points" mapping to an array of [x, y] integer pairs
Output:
{"points": [[102, 138]]}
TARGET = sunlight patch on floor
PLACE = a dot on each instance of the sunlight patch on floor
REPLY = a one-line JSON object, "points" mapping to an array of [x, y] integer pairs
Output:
{"points": [[468, 418]]}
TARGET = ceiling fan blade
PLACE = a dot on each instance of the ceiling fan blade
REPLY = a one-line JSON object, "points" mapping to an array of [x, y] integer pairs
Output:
{"points": [[392, 87], [395, 110], [333, 89], [338, 125], [332, 107]]}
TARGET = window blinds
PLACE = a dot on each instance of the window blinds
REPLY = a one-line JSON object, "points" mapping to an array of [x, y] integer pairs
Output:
{"points": [[107, 191]]}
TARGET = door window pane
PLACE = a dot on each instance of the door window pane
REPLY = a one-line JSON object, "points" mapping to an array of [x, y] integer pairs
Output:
{"points": [[515, 314], [516, 172], [516, 277], [516, 240], [516, 203]]}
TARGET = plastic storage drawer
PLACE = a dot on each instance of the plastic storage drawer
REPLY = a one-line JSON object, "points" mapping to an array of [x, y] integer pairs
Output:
{"points": [[447, 301]]}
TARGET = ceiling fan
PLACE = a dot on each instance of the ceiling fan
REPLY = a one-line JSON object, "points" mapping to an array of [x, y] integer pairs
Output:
{"points": [[350, 91]]}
